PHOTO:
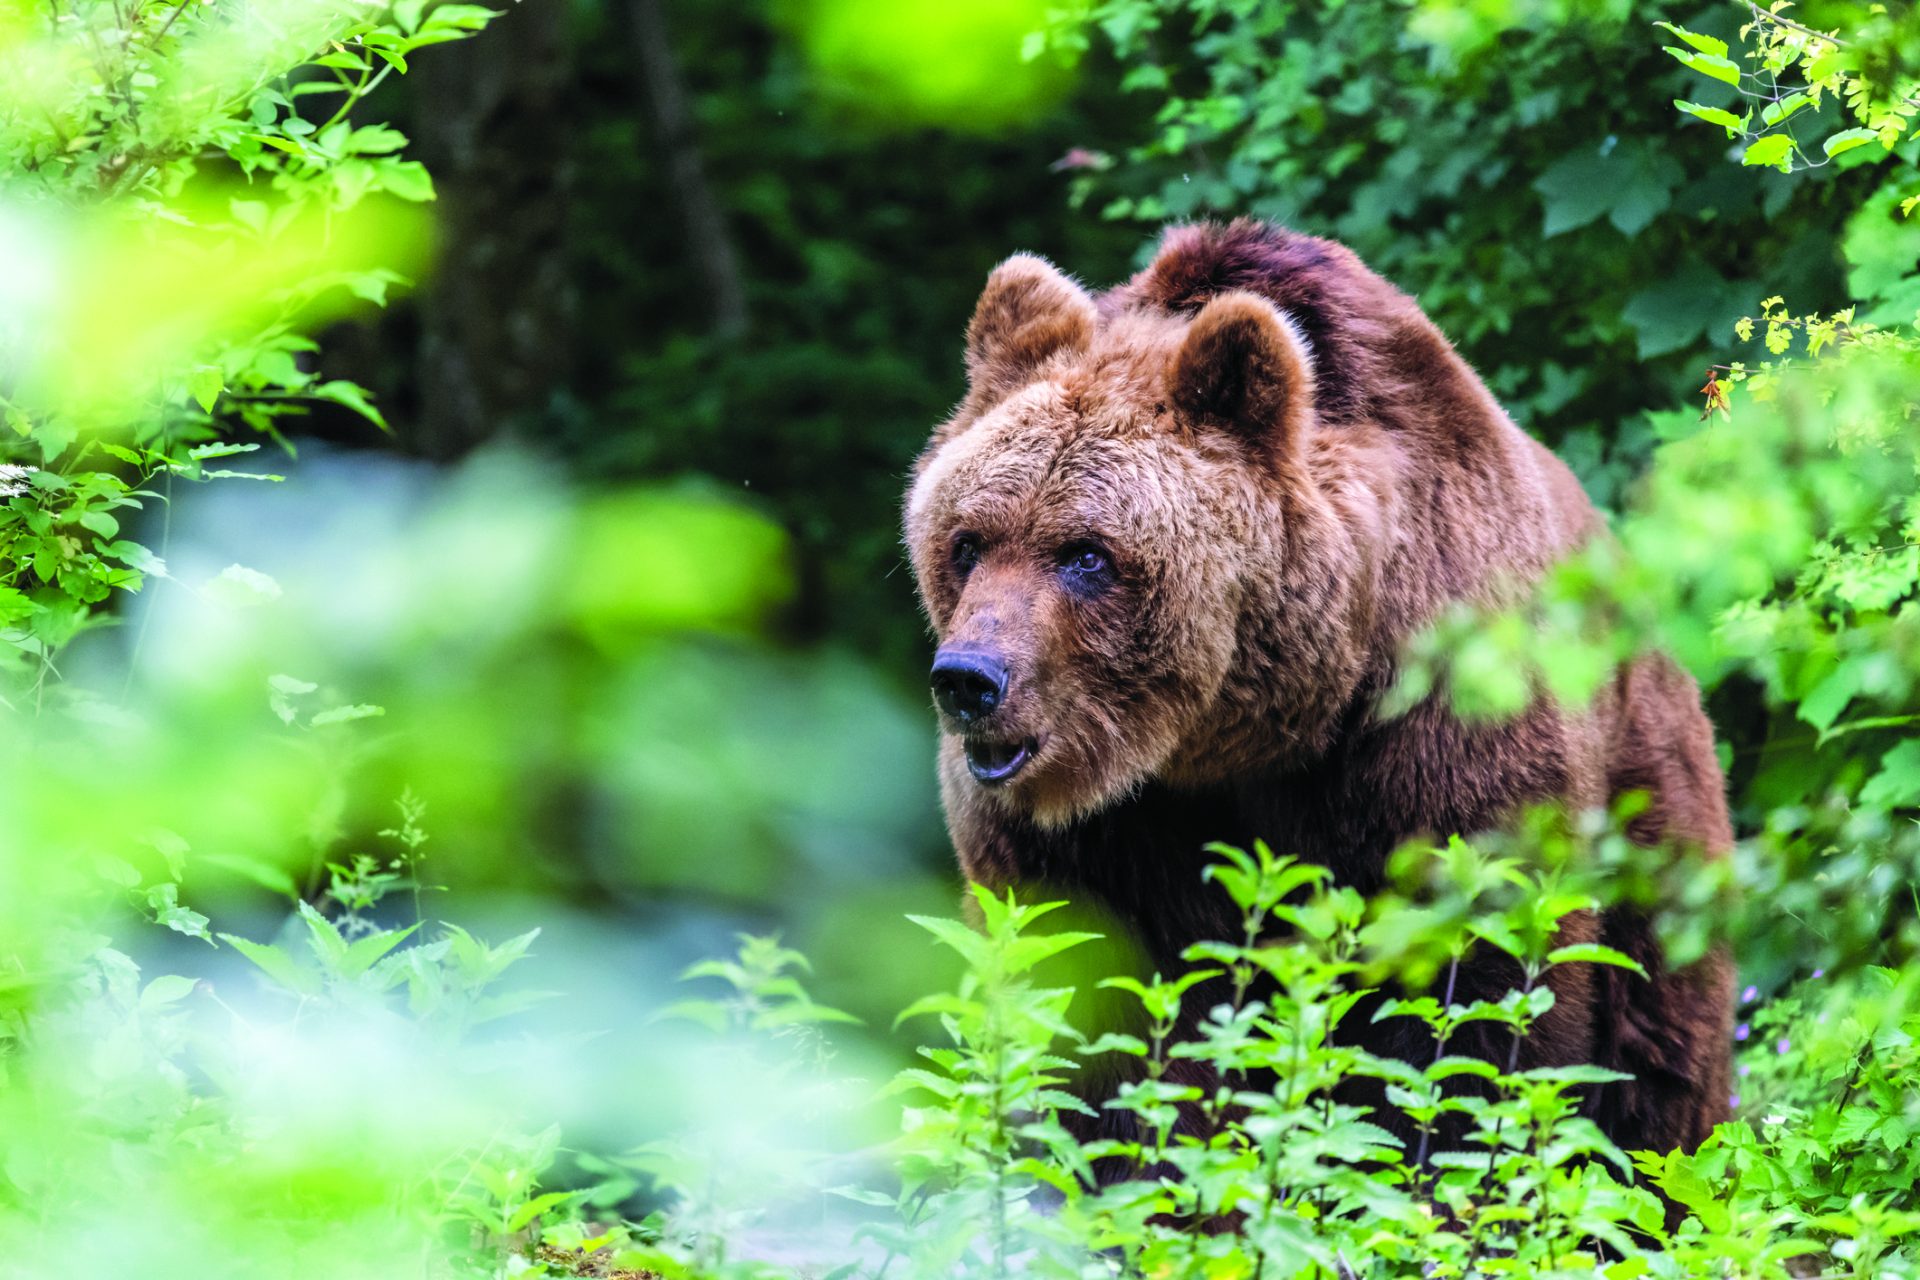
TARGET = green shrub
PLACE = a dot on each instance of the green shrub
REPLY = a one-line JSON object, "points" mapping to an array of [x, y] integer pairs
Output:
{"points": [[173, 229]]}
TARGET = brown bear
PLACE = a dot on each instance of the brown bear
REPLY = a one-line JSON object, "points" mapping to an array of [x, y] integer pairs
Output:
{"points": [[1172, 544]]}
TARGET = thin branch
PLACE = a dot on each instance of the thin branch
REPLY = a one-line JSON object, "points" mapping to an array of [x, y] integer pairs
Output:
{"points": [[179, 8], [700, 210], [1761, 15]]}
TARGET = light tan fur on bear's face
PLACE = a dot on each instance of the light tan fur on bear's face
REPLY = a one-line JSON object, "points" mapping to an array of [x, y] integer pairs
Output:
{"points": [[1182, 450]]}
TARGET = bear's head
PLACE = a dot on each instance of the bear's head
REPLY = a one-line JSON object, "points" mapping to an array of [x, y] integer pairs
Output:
{"points": [[1087, 531]]}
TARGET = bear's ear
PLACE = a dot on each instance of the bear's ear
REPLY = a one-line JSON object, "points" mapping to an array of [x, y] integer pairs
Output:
{"points": [[1243, 367], [1028, 311]]}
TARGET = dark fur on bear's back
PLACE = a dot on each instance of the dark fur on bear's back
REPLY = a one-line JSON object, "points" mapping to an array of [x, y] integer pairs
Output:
{"points": [[1291, 472]]}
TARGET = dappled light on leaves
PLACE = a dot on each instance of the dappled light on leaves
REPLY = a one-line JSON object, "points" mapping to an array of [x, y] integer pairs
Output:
{"points": [[913, 63], [105, 309]]}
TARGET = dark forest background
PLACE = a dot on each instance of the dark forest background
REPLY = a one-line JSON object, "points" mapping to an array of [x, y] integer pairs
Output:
{"points": [[667, 251], [671, 244]]}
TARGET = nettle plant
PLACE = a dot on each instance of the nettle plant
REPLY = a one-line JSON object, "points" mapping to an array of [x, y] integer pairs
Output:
{"points": [[1276, 1172], [185, 195], [334, 1088], [1272, 1172]]}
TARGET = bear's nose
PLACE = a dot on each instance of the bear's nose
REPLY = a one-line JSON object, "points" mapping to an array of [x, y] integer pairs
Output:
{"points": [[968, 686]]}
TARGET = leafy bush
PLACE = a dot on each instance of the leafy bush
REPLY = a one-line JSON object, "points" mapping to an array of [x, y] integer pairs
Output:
{"points": [[174, 228], [1584, 254]]}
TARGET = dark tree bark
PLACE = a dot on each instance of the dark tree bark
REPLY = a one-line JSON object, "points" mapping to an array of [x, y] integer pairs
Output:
{"points": [[673, 128], [491, 121]]}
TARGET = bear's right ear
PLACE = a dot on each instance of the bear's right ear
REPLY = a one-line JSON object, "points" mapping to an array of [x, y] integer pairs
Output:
{"points": [[1028, 311], [1244, 368]]}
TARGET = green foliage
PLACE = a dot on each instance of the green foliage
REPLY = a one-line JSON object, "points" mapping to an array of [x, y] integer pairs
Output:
{"points": [[904, 63], [183, 199], [1818, 67], [1270, 1171], [1514, 166]]}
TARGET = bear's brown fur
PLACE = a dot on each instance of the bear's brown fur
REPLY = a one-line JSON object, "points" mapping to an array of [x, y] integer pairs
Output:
{"points": [[1172, 544]]}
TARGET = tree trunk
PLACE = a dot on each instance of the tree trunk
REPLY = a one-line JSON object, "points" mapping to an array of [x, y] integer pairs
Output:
{"points": [[700, 213], [497, 319]]}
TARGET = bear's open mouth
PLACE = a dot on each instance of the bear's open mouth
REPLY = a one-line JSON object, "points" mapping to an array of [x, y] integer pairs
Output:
{"points": [[995, 762]]}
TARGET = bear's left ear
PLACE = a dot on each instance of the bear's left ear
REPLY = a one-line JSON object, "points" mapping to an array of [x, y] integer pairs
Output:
{"points": [[1243, 367], [1028, 311]]}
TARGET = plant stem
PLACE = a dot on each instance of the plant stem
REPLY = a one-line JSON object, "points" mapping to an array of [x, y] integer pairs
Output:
{"points": [[1439, 1051]]}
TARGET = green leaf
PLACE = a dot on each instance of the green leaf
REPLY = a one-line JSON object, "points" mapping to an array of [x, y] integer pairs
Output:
{"points": [[937, 1004], [407, 179], [171, 846], [221, 449], [363, 954], [704, 1013], [1116, 1042], [236, 585], [352, 396], [1680, 1178], [952, 933], [275, 964], [1708, 64], [371, 286], [1576, 1073], [164, 899], [1710, 45], [1774, 149], [136, 557], [326, 941], [462, 17], [1712, 115], [1575, 191], [1897, 784], [100, 522], [1673, 312], [292, 146], [1594, 953], [282, 690], [1456, 1065], [1827, 699], [264, 874], [117, 871], [1775, 112], [342, 715], [1629, 184], [1881, 245], [1847, 139], [205, 385], [375, 139], [1023, 953], [251, 214], [165, 990], [533, 1208]]}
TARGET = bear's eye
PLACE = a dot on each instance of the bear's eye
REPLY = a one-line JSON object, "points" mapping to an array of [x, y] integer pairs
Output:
{"points": [[1085, 566], [966, 553]]}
